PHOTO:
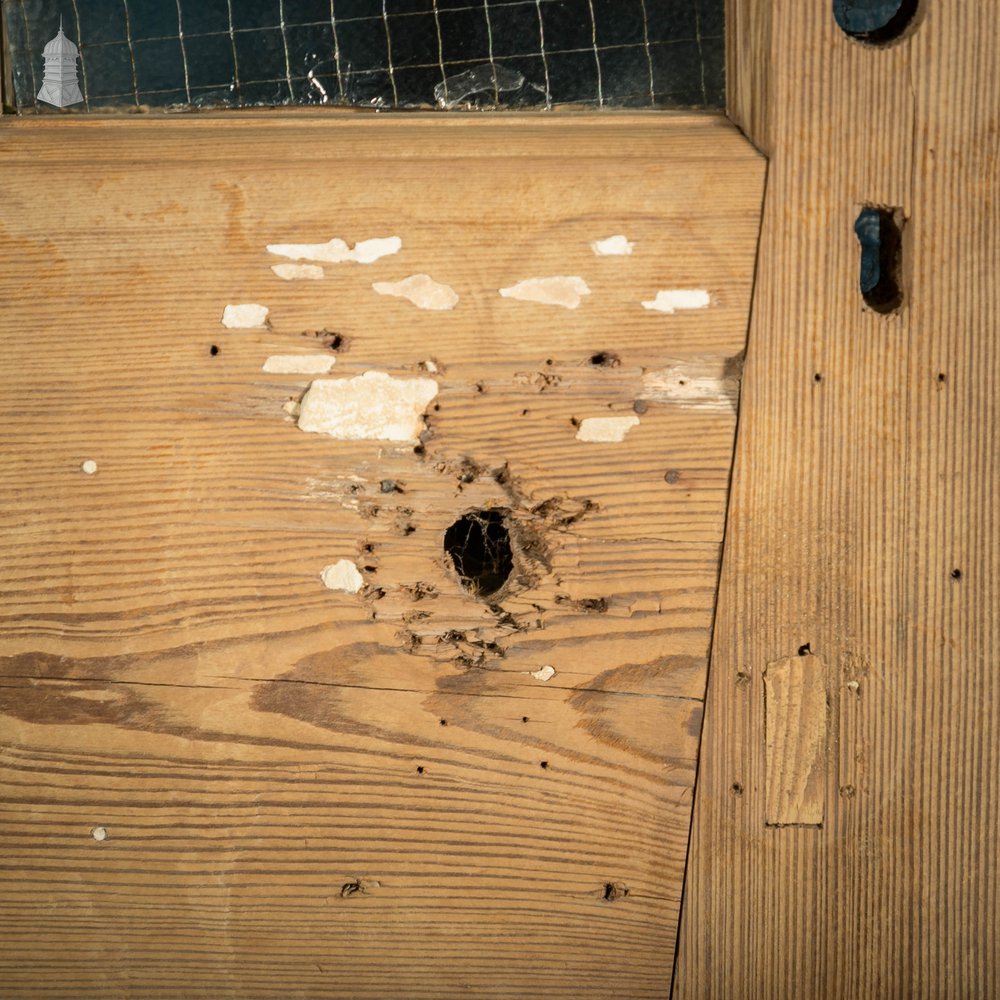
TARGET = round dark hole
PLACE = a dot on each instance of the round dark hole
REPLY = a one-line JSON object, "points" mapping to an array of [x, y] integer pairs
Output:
{"points": [[956, 574], [214, 350], [544, 763], [420, 769], [479, 546], [875, 22]]}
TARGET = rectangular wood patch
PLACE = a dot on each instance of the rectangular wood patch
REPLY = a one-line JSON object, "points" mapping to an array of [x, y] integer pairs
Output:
{"points": [[795, 728]]}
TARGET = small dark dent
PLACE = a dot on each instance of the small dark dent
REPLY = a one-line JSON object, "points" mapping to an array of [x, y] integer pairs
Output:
{"points": [[331, 339], [420, 769], [874, 22], [479, 546], [214, 350], [544, 765], [805, 649], [942, 377], [956, 574], [605, 359], [613, 891], [880, 235], [736, 788], [817, 377]]}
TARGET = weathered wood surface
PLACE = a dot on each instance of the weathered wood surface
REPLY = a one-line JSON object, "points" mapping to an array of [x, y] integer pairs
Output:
{"points": [[221, 779], [865, 476]]}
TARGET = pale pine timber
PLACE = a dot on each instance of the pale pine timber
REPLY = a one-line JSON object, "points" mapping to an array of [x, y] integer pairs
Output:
{"points": [[221, 779], [863, 525]]}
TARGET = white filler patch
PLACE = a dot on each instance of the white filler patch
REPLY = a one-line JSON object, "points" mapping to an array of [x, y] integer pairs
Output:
{"points": [[299, 364], [337, 251], [248, 316], [343, 576], [370, 407], [298, 272], [672, 300], [613, 246], [422, 290], [545, 674], [557, 291], [611, 429]]}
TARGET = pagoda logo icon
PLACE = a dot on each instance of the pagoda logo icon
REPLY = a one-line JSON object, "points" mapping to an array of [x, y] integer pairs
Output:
{"points": [[60, 85]]}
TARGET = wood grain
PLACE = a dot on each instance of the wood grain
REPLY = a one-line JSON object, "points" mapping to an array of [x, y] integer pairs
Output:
{"points": [[221, 779], [795, 741], [865, 477]]}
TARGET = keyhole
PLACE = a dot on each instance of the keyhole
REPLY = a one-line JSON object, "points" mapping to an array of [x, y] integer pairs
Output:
{"points": [[880, 238]]}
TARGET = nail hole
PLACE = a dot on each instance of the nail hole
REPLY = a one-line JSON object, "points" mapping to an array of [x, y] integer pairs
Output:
{"points": [[544, 764], [942, 377], [879, 234], [956, 574], [420, 769], [214, 350], [419, 449], [548, 361], [605, 359], [524, 718], [614, 890], [805, 649], [444, 722], [817, 377], [736, 788], [99, 833], [874, 22], [480, 549]]}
